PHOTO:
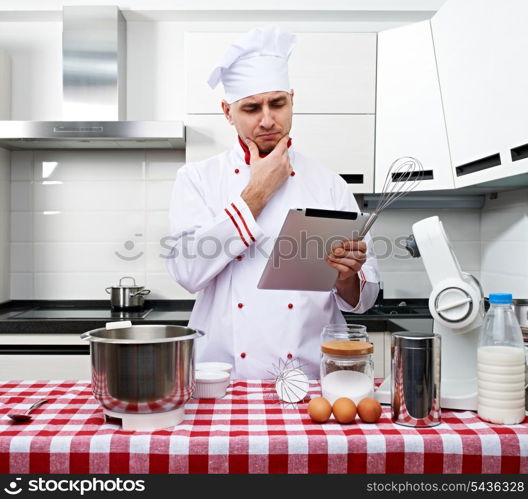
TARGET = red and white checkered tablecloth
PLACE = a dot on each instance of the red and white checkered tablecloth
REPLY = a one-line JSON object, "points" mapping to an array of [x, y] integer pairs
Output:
{"points": [[248, 431]]}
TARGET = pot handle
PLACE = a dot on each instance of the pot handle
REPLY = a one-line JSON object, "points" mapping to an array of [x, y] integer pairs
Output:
{"points": [[85, 336], [107, 289], [127, 277], [142, 292]]}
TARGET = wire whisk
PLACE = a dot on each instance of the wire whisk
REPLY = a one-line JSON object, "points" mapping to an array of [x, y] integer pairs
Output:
{"points": [[403, 176], [291, 384]]}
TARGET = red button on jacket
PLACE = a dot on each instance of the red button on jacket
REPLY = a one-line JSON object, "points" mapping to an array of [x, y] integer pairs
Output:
{"points": [[290, 305], [243, 355], [237, 170], [240, 305]]}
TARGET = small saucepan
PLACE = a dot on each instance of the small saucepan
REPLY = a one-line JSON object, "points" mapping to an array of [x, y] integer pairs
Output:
{"points": [[127, 297]]}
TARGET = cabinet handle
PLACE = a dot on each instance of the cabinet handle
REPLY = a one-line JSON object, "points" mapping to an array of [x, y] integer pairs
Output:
{"points": [[422, 175], [478, 165], [352, 178], [44, 350], [519, 152]]}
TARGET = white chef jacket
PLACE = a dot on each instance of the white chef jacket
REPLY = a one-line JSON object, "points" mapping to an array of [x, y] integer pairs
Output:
{"points": [[220, 250]]}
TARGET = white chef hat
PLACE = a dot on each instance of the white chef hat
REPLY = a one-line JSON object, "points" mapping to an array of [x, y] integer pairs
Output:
{"points": [[257, 62]]}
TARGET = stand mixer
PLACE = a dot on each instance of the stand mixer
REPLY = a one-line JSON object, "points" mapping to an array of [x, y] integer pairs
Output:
{"points": [[457, 306]]}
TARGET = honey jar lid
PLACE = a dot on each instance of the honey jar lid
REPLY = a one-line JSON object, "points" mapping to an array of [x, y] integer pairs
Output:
{"points": [[347, 347]]}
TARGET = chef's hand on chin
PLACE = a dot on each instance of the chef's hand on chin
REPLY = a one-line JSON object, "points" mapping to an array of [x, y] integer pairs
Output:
{"points": [[348, 258], [268, 174]]}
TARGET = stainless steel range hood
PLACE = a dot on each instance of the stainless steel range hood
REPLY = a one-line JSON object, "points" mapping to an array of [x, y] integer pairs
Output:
{"points": [[94, 93]]}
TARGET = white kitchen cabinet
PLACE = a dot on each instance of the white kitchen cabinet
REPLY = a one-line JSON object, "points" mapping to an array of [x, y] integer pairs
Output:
{"points": [[330, 72], [39, 366], [5, 85], [409, 118], [481, 48], [344, 143]]}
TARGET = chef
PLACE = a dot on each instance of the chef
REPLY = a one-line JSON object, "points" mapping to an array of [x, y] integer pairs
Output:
{"points": [[226, 212]]}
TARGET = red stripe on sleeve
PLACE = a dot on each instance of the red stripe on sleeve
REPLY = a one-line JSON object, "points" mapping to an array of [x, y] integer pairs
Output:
{"points": [[363, 280], [237, 227], [243, 221]]}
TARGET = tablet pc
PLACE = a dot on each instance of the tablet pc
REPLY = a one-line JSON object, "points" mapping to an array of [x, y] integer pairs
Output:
{"points": [[298, 259]]}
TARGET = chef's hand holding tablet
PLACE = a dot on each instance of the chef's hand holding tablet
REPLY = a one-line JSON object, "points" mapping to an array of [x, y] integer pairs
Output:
{"points": [[348, 257]]}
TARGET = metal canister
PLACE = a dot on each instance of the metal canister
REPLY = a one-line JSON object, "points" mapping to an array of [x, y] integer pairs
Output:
{"points": [[520, 307], [415, 388]]}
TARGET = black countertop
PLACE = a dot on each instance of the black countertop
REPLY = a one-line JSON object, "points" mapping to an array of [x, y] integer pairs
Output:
{"points": [[78, 316]]}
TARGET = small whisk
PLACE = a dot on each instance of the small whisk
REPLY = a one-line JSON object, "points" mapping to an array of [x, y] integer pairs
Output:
{"points": [[403, 176], [291, 384]]}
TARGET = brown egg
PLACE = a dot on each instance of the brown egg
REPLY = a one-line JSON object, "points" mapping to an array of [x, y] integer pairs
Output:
{"points": [[319, 410], [369, 410], [344, 410]]}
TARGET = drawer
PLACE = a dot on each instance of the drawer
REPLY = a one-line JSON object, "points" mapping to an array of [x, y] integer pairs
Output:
{"points": [[40, 367]]}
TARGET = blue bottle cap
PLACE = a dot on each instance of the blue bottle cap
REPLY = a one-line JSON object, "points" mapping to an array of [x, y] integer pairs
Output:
{"points": [[504, 298]]}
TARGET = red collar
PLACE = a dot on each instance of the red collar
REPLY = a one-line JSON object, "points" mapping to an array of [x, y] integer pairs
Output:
{"points": [[247, 155]]}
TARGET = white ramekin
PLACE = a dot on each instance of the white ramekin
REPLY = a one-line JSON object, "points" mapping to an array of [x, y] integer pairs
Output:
{"points": [[214, 366], [210, 384]]}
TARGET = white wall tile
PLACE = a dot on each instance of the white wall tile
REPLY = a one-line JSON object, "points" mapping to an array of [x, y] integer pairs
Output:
{"points": [[21, 286], [79, 285], [393, 227], [89, 165], [159, 194], [155, 258], [163, 165], [505, 257], [21, 226], [467, 254], [21, 196], [460, 225], [391, 259], [88, 257], [94, 196], [157, 226], [22, 165], [504, 246], [21, 257], [406, 285], [90, 226], [163, 287], [505, 224], [497, 282]]}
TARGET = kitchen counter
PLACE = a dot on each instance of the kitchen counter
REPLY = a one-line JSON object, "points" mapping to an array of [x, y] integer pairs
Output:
{"points": [[78, 316], [248, 431], [40, 339]]}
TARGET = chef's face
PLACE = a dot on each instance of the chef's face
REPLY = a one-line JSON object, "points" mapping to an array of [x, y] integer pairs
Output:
{"points": [[264, 118]]}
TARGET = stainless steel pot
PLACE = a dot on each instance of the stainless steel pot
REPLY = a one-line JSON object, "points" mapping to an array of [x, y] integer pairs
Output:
{"points": [[142, 369], [520, 306], [127, 297]]}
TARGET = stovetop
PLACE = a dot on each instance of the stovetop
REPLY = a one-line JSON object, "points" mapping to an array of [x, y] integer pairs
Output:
{"points": [[79, 313]]}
